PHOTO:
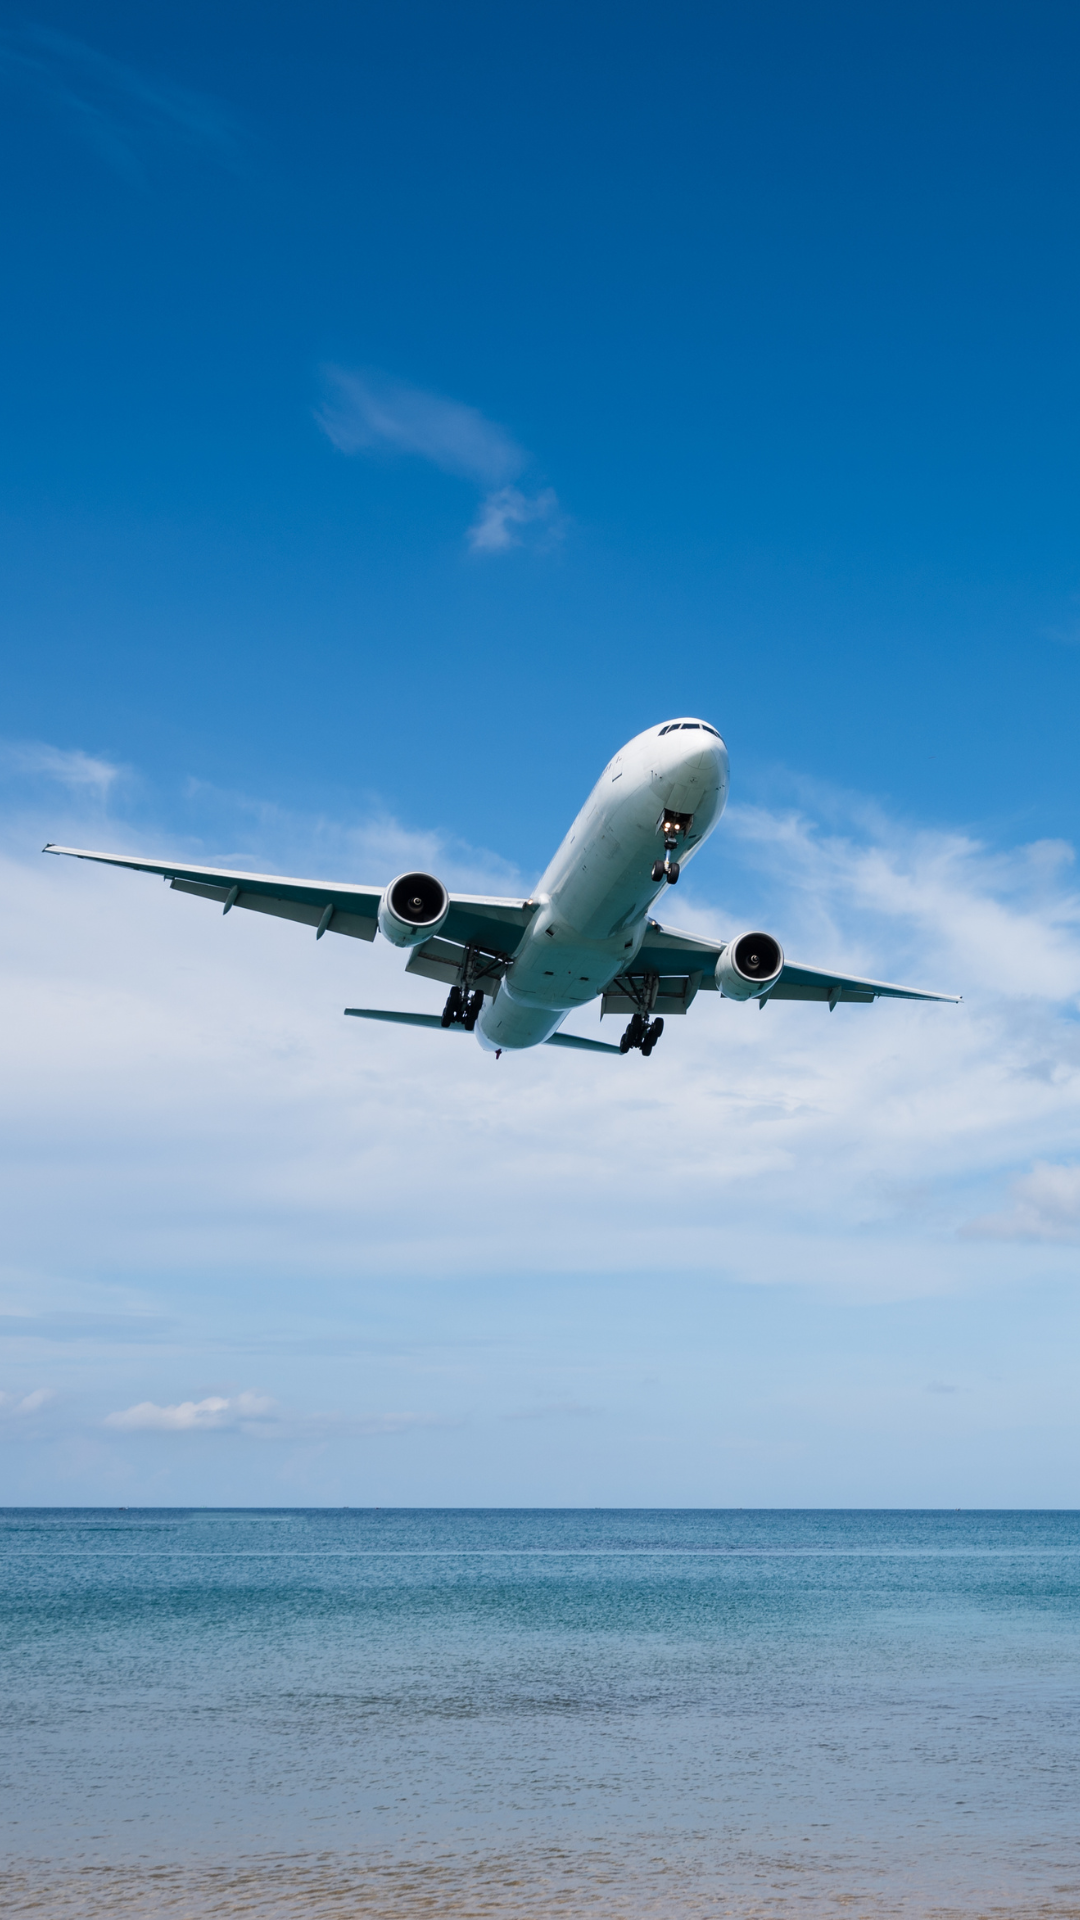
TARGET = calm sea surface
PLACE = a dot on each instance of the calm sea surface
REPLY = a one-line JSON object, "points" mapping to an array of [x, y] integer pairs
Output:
{"points": [[525, 1713]]}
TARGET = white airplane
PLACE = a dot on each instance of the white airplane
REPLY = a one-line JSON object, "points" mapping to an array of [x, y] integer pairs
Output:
{"points": [[517, 968]]}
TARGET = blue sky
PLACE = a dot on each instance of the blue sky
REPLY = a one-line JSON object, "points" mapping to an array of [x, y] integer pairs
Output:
{"points": [[401, 409]]}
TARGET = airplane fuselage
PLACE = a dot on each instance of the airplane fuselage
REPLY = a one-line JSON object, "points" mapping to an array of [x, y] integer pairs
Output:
{"points": [[595, 897]]}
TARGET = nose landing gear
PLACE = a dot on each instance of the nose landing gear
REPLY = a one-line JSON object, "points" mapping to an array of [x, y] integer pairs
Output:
{"points": [[671, 825]]}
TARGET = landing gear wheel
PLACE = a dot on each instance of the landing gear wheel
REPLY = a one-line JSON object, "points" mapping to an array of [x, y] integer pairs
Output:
{"points": [[659, 871], [673, 873], [635, 1033], [473, 1011], [651, 1038], [453, 1008]]}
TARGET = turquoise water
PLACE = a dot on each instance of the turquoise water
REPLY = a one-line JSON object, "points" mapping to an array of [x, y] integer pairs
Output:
{"points": [[399, 1713]]}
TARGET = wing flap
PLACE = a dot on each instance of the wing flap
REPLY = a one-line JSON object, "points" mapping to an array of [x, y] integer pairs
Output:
{"points": [[440, 959], [819, 983], [674, 994], [360, 928], [849, 995]]}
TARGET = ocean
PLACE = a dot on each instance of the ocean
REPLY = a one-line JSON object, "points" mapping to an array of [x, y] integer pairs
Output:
{"points": [[404, 1713]]}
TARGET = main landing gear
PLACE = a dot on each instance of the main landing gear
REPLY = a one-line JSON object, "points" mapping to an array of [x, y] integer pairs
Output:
{"points": [[462, 1008], [642, 1033]]}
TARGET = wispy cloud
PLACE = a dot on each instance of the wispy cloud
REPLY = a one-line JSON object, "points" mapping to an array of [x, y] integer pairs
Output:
{"points": [[260, 1417], [191, 1416], [504, 513], [370, 412], [1045, 1206], [82, 773], [115, 107], [12, 1403]]}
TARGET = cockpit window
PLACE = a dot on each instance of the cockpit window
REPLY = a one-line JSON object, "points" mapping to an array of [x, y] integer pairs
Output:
{"points": [[690, 726]]}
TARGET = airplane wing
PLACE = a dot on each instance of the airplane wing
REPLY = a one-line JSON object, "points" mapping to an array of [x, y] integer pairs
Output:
{"points": [[493, 925], [686, 964]]}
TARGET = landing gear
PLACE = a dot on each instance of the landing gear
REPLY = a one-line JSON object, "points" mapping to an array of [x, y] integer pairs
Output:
{"points": [[465, 1000], [671, 825], [642, 1033], [462, 1008]]}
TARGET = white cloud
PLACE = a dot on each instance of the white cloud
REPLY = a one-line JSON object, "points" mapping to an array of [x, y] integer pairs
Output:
{"points": [[298, 1130], [187, 1417], [503, 513], [28, 1403], [1046, 1206], [288, 1196], [259, 1416], [81, 773], [369, 412]]}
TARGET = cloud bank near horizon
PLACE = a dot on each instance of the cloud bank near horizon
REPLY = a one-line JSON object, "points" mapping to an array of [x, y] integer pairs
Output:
{"points": [[198, 1144]]}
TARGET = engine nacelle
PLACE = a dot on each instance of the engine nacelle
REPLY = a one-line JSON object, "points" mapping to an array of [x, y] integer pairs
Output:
{"points": [[749, 966], [413, 907]]}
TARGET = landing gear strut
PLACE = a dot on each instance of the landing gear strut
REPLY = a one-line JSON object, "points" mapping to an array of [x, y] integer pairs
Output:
{"points": [[465, 1001], [642, 1033], [671, 825]]}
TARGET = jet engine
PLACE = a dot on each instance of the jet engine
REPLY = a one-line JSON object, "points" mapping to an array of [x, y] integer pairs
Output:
{"points": [[413, 907], [749, 966]]}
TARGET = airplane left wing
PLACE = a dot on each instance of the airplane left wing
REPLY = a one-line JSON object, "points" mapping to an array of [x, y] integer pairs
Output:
{"points": [[494, 925], [686, 964]]}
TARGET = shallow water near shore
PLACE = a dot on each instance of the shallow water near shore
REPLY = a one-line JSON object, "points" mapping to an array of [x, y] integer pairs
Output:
{"points": [[397, 1713]]}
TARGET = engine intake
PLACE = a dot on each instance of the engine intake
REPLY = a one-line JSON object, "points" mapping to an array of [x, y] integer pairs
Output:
{"points": [[413, 907], [749, 966]]}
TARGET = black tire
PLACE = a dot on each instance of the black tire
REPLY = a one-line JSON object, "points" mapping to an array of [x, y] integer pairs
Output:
{"points": [[624, 1043], [655, 1031], [673, 873], [658, 870]]}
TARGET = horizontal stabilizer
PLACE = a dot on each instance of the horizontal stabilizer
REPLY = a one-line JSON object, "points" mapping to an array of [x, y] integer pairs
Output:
{"points": [[575, 1040], [434, 1020], [402, 1019]]}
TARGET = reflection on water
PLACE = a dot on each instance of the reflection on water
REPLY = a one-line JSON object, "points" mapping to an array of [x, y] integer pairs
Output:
{"points": [[372, 1713]]}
